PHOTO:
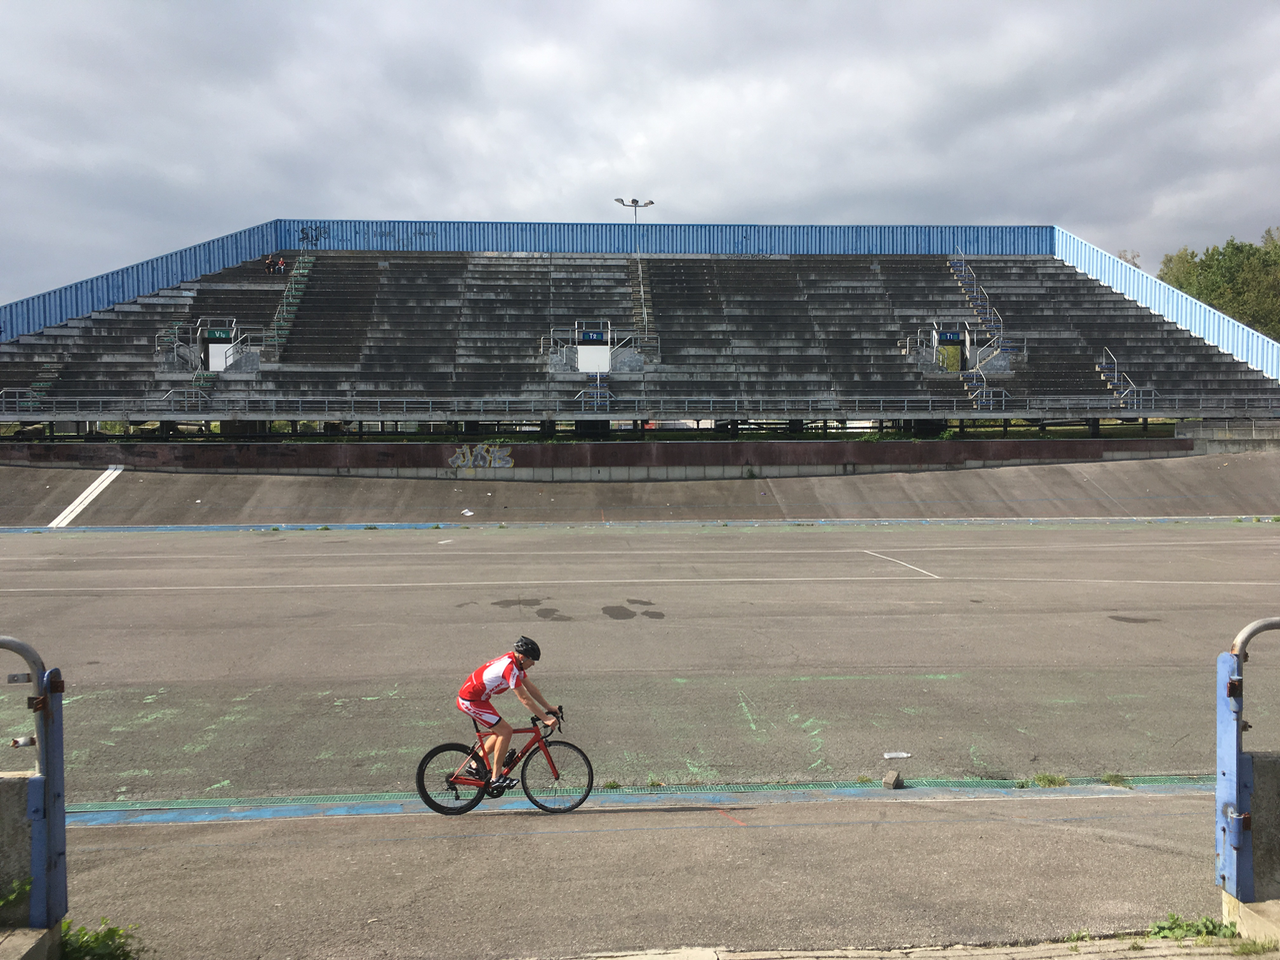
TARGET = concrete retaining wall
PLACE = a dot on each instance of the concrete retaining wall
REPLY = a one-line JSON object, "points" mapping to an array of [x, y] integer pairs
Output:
{"points": [[1231, 436], [1260, 920], [587, 462], [1264, 806], [15, 846]]}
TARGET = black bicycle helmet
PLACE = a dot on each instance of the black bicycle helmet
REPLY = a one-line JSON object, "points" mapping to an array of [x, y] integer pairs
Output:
{"points": [[527, 648]]}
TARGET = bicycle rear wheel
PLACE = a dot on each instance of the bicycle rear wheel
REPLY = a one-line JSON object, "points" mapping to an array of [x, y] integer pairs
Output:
{"points": [[567, 787], [436, 780]]}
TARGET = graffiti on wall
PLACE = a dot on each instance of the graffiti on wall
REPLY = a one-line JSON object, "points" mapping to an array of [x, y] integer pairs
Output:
{"points": [[312, 235], [481, 455]]}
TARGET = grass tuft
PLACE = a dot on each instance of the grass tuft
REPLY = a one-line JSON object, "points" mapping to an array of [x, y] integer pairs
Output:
{"points": [[1050, 780], [1173, 927], [18, 891], [1248, 948], [105, 943]]}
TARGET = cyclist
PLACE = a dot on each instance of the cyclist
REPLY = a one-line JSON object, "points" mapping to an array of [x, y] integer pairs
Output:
{"points": [[507, 672]]}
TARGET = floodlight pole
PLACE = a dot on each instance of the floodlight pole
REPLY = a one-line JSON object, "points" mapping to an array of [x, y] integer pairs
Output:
{"points": [[635, 206]]}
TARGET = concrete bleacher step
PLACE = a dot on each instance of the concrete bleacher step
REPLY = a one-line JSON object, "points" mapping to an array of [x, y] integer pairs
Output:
{"points": [[474, 325]]}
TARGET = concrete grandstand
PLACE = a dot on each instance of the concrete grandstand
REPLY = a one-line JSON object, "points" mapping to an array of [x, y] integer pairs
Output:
{"points": [[597, 323]]}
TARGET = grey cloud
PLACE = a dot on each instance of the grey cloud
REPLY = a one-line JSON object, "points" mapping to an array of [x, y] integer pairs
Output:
{"points": [[132, 129]]}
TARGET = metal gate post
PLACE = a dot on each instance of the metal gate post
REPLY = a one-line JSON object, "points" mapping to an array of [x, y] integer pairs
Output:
{"points": [[55, 801], [1233, 841], [46, 800]]}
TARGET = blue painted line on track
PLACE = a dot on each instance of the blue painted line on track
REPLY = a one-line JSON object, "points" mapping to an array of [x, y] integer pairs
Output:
{"points": [[710, 798]]}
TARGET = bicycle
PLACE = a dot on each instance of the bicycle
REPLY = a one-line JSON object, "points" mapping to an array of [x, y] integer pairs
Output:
{"points": [[556, 776]]}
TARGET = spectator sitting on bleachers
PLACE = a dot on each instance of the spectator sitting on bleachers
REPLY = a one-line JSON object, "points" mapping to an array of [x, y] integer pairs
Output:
{"points": [[280, 265], [268, 265]]}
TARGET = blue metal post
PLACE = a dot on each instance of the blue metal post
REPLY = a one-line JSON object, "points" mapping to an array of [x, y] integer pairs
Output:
{"points": [[37, 816], [46, 800], [1233, 839], [55, 799]]}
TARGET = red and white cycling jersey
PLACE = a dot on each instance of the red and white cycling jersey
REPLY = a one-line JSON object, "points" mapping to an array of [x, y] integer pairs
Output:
{"points": [[497, 676]]}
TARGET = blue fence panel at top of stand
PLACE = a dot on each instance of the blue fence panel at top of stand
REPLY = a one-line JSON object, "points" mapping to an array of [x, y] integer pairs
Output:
{"points": [[660, 238], [1246, 344], [99, 293]]}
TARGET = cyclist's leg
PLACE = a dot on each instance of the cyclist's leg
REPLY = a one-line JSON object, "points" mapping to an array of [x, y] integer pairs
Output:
{"points": [[495, 740], [499, 739]]}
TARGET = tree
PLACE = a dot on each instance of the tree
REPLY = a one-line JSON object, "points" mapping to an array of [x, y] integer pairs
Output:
{"points": [[1240, 279]]}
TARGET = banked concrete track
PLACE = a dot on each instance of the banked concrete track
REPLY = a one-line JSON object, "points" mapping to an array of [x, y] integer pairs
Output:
{"points": [[1238, 485]]}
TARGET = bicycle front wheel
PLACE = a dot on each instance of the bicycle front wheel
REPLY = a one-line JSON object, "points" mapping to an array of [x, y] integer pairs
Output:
{"points": [[438, 774], [560, 784]]}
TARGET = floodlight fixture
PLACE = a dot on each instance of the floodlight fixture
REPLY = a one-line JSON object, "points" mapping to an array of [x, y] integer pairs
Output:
{"points": [[635, 206]]}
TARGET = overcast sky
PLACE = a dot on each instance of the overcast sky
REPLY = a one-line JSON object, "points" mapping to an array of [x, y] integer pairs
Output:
{"points": [[131, 129]]}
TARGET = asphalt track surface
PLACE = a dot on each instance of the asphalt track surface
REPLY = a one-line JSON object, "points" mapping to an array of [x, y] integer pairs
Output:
{"points": [[793, 646]]}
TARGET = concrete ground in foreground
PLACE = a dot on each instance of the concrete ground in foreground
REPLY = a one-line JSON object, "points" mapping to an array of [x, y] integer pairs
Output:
{"points": [[792, 876]]}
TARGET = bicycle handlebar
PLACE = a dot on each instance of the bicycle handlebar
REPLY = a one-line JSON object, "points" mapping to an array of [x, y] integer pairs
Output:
{"points": [[558, 713]]}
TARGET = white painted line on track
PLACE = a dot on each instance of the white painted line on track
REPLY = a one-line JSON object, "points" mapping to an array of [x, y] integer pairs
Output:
{"points": [[86, 498], [503, 553], [693, 581], [672, 581], [903, 562]]}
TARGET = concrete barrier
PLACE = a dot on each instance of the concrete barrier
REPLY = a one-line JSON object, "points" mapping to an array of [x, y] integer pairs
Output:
{"points": [[33, 823], [25, 943], [1260, 920], [622, 461], [1213, 437], [15, 846], [18, 941], [1265, 809]]}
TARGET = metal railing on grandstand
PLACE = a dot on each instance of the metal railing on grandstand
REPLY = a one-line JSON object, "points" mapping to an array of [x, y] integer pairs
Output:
{"points": [[24, 406]]}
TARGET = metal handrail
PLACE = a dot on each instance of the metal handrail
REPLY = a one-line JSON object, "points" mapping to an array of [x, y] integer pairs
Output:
{"points": [[287, 308], [1104, 366], [1122, 384], [1241, 642], [405, 408], [980, 302], [249, 337]]}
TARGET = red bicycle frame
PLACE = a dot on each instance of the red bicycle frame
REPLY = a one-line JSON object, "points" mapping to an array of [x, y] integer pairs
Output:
{"points": [[461, 778]]}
